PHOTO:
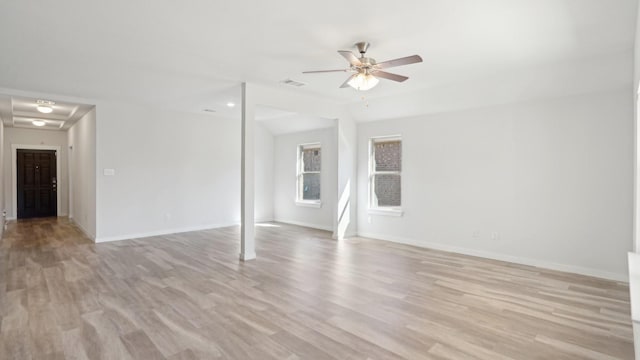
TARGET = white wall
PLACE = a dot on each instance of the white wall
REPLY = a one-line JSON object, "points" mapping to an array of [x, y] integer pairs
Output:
{"points": [[35, 137], [82, 173], [636, 105], [173, 171], [636, 53], [3, 171], [346, 208], [546, 183], [285, 159], [264, 150]]}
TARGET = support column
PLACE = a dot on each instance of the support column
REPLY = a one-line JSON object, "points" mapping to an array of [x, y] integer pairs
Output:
{"points": [[247, 212]]}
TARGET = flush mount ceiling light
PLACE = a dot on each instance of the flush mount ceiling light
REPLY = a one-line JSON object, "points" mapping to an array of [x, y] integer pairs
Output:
{"points": [[231, 104], [38, 123], [44, 109], [45, 106], [366, 71]]}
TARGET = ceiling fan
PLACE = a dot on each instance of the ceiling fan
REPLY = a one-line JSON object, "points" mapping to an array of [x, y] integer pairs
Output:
{"points": [[366, 70]]}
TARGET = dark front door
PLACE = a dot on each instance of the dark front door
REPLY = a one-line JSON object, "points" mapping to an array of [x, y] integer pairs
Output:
{"points": [[37, 183]]}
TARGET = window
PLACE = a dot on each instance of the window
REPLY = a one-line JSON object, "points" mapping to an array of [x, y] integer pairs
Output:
{"points": [[309, 167], [385, 175]]}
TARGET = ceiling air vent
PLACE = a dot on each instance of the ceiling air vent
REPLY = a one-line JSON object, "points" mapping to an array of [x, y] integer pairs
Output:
{"points": [[292, 83]]}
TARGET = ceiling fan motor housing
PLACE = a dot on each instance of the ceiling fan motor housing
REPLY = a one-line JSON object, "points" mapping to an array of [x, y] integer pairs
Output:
{"points": [[366, 65]]}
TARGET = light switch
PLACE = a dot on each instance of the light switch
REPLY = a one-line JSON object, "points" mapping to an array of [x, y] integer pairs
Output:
{"points": [[109, 172]]}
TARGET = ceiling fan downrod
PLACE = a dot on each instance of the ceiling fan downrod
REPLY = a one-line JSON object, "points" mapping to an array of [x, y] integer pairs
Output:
{"points": [[362, 46]]}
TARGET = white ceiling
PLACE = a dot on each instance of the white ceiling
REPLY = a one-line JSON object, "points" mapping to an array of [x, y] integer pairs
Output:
{"points": [[189, 55], [20, 112], [280, 122]]}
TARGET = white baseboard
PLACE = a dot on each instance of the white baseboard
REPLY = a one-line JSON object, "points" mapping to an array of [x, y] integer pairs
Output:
{"points": [[502, 257], [300, 223], [86, 233], [263, 220], [247, 256], [15, 218], [163, 232]]}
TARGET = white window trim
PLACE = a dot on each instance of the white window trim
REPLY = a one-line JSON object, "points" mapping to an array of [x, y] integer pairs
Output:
{"points": [[300, 171], [391, 211], [309, 203], [374, 209]]}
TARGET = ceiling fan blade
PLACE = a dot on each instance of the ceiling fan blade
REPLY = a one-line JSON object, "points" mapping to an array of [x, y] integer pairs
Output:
{"points": [[398, 62], [351, 58], [346, 83], [389, 76], [323, 71]]}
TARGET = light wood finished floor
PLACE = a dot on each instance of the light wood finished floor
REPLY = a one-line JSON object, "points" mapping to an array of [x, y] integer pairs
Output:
{"points": [[186, 296]]}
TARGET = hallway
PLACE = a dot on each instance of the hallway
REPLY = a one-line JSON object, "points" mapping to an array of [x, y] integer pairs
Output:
{"points": [[186, 296]]}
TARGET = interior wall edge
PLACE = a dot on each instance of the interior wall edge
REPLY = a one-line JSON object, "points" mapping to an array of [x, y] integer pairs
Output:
{"points": [[82, 229]]}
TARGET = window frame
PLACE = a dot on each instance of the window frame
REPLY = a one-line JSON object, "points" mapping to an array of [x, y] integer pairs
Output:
{"points": [[373, 207], [300, 172]]}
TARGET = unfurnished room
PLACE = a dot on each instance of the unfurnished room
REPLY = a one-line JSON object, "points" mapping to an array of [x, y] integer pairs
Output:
{"points": [[435, 179]]}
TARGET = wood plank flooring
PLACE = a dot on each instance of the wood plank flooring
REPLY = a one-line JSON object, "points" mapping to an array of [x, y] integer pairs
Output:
{"points": [[186, 296]]}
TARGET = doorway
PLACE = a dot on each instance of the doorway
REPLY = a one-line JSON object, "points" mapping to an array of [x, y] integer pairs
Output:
{"points": [[36, 183]]}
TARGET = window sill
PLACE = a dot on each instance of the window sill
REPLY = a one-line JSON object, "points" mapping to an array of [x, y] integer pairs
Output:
{"points": [[385, 212], [311, 204]]}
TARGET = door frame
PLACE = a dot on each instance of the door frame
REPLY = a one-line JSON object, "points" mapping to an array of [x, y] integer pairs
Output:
{"points": [[14, 174]]}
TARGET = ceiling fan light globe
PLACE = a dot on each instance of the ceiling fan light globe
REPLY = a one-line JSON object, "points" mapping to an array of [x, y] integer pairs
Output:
{"points": [[363, 82]]}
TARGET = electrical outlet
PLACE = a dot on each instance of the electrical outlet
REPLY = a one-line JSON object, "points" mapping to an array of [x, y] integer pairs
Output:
{"points": [[476, 234], [495, 235]]}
